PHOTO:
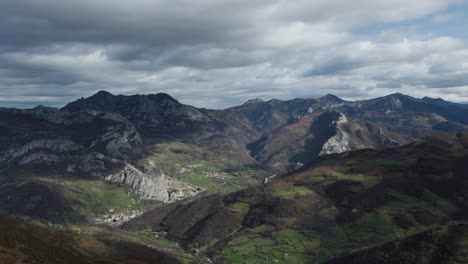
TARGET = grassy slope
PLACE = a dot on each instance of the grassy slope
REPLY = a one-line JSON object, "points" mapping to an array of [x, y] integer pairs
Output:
{"points": [[86, 199], [32, 242], [266, 244], [97, 197], [192, 164], [342, 204], [444, 244], [400, 215]]}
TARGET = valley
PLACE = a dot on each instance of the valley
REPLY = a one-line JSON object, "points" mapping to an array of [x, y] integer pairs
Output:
{"points": [[319, 180], [233, 132], [338, 204]]}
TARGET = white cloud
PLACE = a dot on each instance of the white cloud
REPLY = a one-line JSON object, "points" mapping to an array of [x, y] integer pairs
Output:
{"points": [[219, 53], [419, 67]]}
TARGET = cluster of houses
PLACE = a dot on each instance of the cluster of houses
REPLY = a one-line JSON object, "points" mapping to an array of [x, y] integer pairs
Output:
{"points": [[216, 175], [119, 217], [189, 167]]}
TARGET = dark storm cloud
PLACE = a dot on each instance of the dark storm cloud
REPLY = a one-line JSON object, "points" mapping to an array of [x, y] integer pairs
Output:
{"points": [[214, 53], [37, 74], [432, 81], [145, 23], [337, 65]]}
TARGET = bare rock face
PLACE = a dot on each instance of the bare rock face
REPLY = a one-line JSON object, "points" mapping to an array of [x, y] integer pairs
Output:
{"points": [[336, 144], [60, 155], [159, 187], [87, 144], [340, 142], [36, 151], [139, 183], [119, 140], [68, 158]]}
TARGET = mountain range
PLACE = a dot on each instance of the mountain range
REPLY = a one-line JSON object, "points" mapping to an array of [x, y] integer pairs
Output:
{"points": [[296, 181]]}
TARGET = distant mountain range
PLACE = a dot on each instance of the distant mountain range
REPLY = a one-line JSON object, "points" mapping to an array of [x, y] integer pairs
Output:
{"points": [[280, 134], [302, 180], [164, 150]]}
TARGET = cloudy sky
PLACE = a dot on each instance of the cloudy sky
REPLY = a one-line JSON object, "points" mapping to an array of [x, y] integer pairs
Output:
{"points": [[219, 53]]}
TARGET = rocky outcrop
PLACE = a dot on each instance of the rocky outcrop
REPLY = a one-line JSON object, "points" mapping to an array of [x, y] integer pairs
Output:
{"points": [[337, 144], [37, 150], [59, 155], [139, 183], [340, 142], [159, 187], [63, 156], [89, 144], [120, 140]]}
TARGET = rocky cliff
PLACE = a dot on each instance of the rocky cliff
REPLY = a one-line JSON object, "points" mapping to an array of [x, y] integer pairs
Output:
{"points": [[85, 144]]}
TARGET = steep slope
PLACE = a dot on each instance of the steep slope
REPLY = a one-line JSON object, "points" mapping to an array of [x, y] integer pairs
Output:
{"points": [[59, 152], [108, 133], [149, 113], [155, 148], [22, 242], [330, 207], [445, 244], [107, 159], [281, 134], [389, 121], [397, 103], [297, 143], [205, 151], [136, 142]]}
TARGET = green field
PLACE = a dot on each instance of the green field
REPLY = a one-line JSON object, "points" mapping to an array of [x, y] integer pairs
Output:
{"points": [[187, 163]]}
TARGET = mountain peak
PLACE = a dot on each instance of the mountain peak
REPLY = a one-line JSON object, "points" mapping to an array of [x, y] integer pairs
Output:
{"points": [[330, 98], [107, 102], [102, 93], [160, 96], [441, 102], [254, 101], [431, 99], [398, 95], [43, 108]]}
